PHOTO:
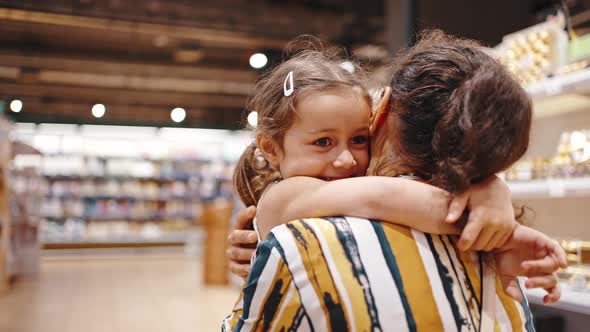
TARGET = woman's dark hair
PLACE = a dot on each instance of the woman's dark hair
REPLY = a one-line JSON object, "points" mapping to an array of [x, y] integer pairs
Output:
{"points": [[462, 117]]}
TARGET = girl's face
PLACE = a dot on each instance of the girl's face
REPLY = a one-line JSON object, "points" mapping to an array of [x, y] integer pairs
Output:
{"points": [[329, 138]]}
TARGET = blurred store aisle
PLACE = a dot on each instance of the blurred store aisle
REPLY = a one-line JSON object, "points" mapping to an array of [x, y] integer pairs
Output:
{"points": [[116, 294]]}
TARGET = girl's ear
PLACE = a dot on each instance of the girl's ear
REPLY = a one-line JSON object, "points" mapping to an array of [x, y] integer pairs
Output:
{"points": [[380, 111], [269, 149]]}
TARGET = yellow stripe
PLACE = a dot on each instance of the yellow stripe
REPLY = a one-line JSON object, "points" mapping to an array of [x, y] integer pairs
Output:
{"points": [[414, 277], [352, 287], [236, 313], [509, 305], [497, 326], [317, 269], [467, 259], [279, 276], [288, 315]]}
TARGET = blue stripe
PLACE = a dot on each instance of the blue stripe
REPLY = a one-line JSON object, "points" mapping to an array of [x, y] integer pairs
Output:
{"points": [[527, 310], [262, 255], [447, 283], [350, 247], [395, 273]]}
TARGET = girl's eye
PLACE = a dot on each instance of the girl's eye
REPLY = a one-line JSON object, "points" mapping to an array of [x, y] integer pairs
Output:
{"points": [[360, 139], [322, 142]]}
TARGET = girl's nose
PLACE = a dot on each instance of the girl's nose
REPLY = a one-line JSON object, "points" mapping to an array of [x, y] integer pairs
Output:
{"points": [[345, 160]]}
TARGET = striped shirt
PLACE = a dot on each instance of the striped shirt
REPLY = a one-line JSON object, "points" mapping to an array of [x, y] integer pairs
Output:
{"points": [[352, 274]]}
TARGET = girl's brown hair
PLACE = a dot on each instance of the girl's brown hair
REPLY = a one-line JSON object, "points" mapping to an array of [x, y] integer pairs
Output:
{"points": [[315, 70], [462, 117]]}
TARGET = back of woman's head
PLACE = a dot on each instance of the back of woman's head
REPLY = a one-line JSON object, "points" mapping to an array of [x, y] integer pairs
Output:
{"points": [[314, 70], [461, 116]]}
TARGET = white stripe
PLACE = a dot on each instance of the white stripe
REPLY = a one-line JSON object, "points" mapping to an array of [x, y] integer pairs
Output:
{"points": [[290, 291], [489, 300], [309, 298], [334, 272], [502, 316], [304, 326], [262, 287], [442, 303], [391, 313]]}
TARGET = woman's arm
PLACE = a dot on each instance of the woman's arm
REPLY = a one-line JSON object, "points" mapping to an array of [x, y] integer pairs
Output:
{"points": [[401, 201]]}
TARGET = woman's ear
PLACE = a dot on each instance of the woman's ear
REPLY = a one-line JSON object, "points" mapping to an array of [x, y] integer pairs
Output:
{"points": [[270, 150], [380, 111]]}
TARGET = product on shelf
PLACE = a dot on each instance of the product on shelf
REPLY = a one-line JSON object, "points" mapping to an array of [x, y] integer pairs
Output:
{"points": [[572, 160], [536, 52]]}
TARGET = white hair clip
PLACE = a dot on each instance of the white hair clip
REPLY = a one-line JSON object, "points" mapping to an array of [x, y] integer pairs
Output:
{"points": [[288, 80]]}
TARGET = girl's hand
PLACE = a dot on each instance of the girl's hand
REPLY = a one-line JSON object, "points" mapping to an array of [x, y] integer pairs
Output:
{"points": [[242, 243], [532, 254], [491, 218]]}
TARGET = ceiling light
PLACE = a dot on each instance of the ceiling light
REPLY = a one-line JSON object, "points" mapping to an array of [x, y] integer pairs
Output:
{"points": [[16, 105], [161, 41], [253, 119], [178, 114], [258, 60], [98, 110]]}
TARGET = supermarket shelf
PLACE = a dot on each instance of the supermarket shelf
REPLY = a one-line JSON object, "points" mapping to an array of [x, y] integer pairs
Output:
{"points": [[125, 197], [571, 300], [165, 240], [124, 218], [551, 188], [115, 178], [576, 82]]}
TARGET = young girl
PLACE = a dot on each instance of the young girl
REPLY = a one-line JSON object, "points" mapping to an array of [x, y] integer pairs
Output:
{"points": [[312, 151]]}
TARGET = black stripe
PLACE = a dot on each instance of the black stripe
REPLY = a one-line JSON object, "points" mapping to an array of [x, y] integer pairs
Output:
{"points": [[350, 247], [298, 319], [459, 281], [447, 282], [335, 311], [395, 273], [469, 283], [273, 239]]}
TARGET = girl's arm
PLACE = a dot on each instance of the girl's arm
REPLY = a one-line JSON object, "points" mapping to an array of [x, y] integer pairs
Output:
{"points": [[400, 201]]}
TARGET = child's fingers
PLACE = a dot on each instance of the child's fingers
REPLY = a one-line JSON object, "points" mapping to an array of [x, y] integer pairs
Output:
{"points": [[242, 237], [537, 267], [238, 269], [457, 206], [495, 241], [557, 251], [511, 288], [469, 236], [545, 282], [553, 296], [240, 254], [244, 217], [483, 239]]}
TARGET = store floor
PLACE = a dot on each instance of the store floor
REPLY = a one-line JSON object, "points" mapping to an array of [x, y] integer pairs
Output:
{"points": [[116, 294]]}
